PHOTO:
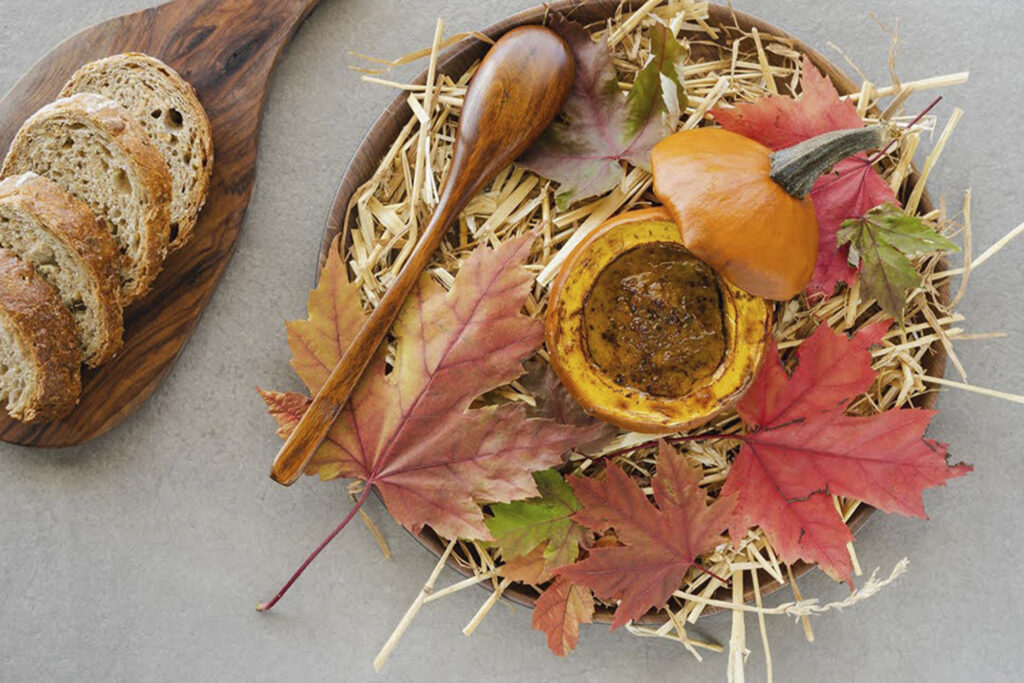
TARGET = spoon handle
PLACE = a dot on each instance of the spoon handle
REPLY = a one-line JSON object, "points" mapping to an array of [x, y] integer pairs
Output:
{"points": [[335, 392], [519, 87]]}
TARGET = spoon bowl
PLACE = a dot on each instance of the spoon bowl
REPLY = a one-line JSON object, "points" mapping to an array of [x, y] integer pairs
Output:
{"points": [[518, 89]]}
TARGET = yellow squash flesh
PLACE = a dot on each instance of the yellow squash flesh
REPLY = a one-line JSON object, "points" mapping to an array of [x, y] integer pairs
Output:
{"points": [[746, 326]]}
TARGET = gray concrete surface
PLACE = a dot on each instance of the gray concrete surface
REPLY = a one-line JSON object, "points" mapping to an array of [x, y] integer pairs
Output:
{"points": [[140, 556]]}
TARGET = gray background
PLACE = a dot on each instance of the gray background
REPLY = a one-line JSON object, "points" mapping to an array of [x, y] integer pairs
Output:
{"points": [[141, 556]]}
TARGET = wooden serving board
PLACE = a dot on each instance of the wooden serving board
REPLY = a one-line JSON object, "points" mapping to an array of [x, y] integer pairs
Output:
{"points": [[227, 50], [460, 57]]}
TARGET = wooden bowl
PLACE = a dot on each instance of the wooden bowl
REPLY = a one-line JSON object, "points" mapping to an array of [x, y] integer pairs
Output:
{"points": [[454, 62]]}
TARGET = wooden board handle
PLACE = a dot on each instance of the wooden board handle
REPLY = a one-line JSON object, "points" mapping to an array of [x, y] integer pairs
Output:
{"points": [[227, 50]]}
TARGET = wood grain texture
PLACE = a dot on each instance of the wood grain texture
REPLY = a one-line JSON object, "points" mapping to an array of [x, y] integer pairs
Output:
{"points": [[519, 88], [227, 50], [459, 58]]}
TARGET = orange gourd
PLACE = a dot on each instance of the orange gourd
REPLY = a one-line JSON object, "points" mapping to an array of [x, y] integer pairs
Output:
{"points": [[658, 319], [744, 209]]}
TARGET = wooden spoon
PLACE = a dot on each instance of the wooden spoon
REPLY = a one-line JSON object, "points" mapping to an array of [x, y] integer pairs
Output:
{"points": [[521, 84], [227, 50]]}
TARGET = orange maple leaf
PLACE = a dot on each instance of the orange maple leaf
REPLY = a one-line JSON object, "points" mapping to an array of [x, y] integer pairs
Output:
{"points": [[560, 610], [409, 431]]}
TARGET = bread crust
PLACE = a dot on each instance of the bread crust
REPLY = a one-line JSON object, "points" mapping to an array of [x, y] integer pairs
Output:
{"points": [[72, 223], [79, 82], [47, 331], [126, 133]]}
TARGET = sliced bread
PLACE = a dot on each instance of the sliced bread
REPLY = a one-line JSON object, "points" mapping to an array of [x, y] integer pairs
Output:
{"points": [[40, 372], [167, 107], [73, 250], [96, 150]]}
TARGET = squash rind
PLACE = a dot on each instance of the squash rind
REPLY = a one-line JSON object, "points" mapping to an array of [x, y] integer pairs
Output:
{"points": [[747, 320]]}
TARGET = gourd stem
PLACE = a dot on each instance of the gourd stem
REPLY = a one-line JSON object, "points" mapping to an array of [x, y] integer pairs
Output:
{"points": [[796, 168]]}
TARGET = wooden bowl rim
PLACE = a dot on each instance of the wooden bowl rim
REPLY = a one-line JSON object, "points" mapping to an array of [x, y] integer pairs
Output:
{"points": [[455, 61]]}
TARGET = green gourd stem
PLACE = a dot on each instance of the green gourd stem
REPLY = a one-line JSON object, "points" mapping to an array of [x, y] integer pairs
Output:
{"points": [[796, 168]]}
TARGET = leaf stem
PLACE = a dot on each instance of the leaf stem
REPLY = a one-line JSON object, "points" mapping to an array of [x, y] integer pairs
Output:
{"points": [[267, 606], [885, 150], [705, 570]]}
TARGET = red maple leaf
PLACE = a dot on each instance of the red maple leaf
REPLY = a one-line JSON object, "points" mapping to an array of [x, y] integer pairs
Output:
{"points": [[659, 543], [833, 368], [849, 191], [804, 448]]}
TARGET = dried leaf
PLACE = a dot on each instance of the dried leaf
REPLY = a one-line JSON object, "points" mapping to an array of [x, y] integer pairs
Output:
{"points": [[397, 431], [287, 408], [530, 568], [598, 127], [554, 401], [660, 543], [850, 190], [778, 121], [804, 448], [560, 610], [880, 243]]}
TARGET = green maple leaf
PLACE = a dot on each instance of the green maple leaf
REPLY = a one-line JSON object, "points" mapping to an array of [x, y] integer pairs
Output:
{"points": [[659, 85], [881, 243], [521, 526]]}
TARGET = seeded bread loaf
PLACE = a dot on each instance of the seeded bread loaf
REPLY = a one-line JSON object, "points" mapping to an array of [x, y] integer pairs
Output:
{"points": [[96, 150], [73, 250], [39, 358], [167, 107]]}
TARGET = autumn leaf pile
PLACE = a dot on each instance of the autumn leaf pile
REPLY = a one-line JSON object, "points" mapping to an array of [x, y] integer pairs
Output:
{"points": [[507, 474]]}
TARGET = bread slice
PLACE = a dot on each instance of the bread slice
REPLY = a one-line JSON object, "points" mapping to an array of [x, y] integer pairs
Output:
{"points": [[167, 107], [71, 249], [94, 149], [40, 372]]}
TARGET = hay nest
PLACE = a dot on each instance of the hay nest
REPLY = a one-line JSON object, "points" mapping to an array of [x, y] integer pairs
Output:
{"points": [[387, 212]]}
